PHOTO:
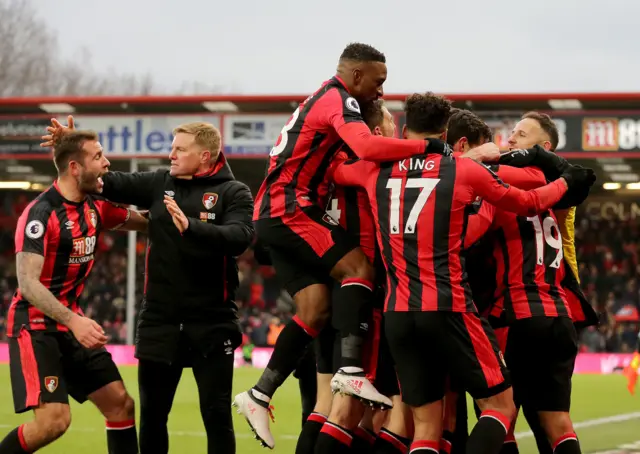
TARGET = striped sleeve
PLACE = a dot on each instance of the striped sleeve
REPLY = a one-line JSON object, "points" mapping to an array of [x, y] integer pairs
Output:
{"points": [[112, 216], [33, 228]]}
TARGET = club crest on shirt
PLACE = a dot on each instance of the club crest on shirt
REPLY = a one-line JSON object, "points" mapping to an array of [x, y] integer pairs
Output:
{"points": [[209, 200], [92, 218], [51, 383]]}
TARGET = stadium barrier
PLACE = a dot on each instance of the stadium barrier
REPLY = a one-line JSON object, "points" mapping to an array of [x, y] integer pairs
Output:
{"points": [[586, 363]]}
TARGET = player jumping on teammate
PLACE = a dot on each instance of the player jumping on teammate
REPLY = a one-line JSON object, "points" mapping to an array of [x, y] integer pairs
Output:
{"points": [[421, 205], [308, 249]]}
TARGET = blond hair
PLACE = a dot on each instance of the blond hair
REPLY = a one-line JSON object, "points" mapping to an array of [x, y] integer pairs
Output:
{"points": [[205, 134]]}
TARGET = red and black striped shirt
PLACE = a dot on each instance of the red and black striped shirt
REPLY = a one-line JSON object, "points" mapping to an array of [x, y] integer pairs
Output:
{"points": [[528, 255], [66, 234], [349, 206], [421, 207], [299, 162], [530, 266]]}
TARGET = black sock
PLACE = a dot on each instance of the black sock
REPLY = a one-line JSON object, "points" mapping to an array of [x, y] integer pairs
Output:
{"points": [[122, 437], [567, 444], [363, 441], [289, 348], [425, 447], [390, 443], [510, 446], [309, 435], [487, 436], [14, 443], [333, 439], [353, 314]]}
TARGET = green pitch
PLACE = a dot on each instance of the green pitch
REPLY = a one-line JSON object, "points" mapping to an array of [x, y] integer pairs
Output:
{"points": [[596, 400]]}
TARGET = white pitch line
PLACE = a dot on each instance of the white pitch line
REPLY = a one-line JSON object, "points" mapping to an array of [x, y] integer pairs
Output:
{"points": [[176, 433], [592, 422], [527, 434]]}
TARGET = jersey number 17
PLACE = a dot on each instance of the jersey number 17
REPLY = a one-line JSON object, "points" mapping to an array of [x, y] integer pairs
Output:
{"points": [[395, 185]]}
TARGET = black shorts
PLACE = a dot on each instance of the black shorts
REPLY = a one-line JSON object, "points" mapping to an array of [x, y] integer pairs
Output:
{"points": [[50, 367], [304, 246], [541, 354], [428, 347]]}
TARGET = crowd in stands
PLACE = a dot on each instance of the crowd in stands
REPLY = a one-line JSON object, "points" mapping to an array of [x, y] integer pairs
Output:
{"points": [[608, 253]]}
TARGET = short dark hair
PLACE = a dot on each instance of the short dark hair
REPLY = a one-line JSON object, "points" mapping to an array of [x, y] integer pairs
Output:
{"points": [[362, 53], [547, 125], [373, 114], [69, 147], [427, 113], [464, 123]]}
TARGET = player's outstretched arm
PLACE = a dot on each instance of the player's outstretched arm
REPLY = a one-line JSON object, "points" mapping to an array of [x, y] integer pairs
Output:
{"points": [[342, 113], [29, 267], [353, 172], [377, 148], [137, 222], [116, 217], [135, 188], [487, 185], [525, 179], [235, 234]]}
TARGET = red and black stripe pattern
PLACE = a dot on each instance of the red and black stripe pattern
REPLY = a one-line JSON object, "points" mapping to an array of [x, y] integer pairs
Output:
{"points": [[530, 266], [299, 163], [422, 222], [66, 234], [349, 206]]}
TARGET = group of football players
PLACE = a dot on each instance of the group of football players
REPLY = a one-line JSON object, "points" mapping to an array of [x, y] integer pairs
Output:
{"points": [[422, 268]]}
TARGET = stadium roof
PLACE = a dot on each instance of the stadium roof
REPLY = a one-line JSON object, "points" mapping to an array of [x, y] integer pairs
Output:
{"points": [[285, 103]]}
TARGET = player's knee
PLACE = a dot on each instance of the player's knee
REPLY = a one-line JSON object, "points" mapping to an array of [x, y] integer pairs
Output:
{"points": [[313, 307], [54, 422], [129, 407], [121, 406], [556, 424], [354, 265], [504, 404]]}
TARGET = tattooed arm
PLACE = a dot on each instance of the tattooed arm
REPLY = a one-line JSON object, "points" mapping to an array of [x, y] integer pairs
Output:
{"points": [[29, 267]]}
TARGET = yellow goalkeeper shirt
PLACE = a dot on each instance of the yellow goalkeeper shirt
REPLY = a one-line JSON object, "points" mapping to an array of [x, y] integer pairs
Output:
{"points": [[566, 224]]}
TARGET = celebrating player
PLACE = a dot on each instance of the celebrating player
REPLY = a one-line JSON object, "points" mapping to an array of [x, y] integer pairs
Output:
{"points": [[55, 351], [421, 205], [308, 249], [529, 288], [349, 206]]}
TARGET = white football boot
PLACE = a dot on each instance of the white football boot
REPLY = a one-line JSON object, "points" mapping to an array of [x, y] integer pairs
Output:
{"points": [[257, 412], [359, 386]]}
